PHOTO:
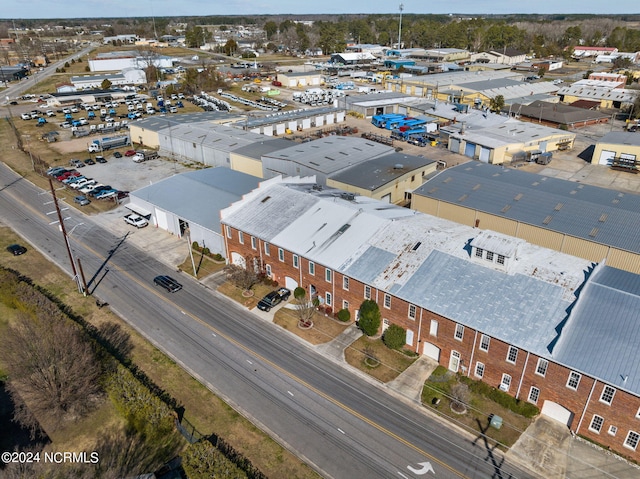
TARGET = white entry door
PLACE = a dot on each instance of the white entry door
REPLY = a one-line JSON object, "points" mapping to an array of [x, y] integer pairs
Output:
{"points": [[454, 361]]}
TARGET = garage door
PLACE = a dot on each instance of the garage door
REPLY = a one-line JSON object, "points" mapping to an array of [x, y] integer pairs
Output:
{"points": [[161, 218], [557, 412], [290, 283], [484, 154], [386, 198], [238, 260], [470, 150], [454, 145], [606, 156], [431, 351]]}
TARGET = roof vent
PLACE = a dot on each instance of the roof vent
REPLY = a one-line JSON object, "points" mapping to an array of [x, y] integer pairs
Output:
{"points": [[398, 166], [348, 196]]}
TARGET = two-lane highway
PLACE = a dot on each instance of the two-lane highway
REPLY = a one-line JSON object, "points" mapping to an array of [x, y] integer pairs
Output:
{"points": [[343, 424]]}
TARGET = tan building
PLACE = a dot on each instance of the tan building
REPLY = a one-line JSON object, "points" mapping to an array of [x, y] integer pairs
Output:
{"points": [[300, 79], [388, 178], [586, 221], [248, 159], [620, 149]]}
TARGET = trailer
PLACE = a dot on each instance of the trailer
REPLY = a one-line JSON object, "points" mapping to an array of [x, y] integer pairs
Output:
{"points": [[108, 143], [406, 134], [144, 155], [381, 120], [406, 123]]}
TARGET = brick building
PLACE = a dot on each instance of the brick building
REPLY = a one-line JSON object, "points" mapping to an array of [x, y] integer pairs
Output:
{"points": [[545, 327]]}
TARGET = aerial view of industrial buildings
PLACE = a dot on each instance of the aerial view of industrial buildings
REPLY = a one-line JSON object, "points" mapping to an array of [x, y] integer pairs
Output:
{"points": [[484, 195]]}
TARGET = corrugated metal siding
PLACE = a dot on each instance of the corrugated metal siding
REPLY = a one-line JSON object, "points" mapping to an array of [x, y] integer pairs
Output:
{"points": [[624, 260], [495, 223], [459, 214], [584, 249], [540, 236]]}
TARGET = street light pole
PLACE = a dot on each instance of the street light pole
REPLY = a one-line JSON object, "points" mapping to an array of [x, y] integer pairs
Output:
{"points": [[400, 26]]}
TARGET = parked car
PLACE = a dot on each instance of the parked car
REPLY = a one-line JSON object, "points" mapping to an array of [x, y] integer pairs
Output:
{"points": [[136, 220], [16, 249], [56, 170], [273, 299], [104, 194], [100, 159], [117, 154], [82, 200], [79, 184], [77, 163], [89, 161], [122, 194], [168, 283], [88, 188], [98, 188], [129, 152]]}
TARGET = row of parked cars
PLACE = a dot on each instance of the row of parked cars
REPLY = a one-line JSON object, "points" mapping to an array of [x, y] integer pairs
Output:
{"points": [[89, 187]]}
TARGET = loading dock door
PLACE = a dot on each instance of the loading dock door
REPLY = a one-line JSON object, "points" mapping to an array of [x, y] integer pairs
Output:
{"points": [[454, 145], [470, 150], [484, 154], [606, 157], [557, 412]]}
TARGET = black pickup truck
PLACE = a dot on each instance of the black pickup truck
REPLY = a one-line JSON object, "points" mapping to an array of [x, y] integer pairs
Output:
{"points": [[273, 299]]}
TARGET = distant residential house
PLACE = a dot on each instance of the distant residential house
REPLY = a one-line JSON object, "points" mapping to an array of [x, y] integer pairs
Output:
{"points": [[352, 58], [509, 56], [582, 52]]}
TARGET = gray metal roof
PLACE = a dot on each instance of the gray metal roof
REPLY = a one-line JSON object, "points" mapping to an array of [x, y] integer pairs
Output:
{"points": [[379, 171], [602, 335], [283, 116], [264, 147], [558, 112], [218, 137], [621, 138], [519, 309], [332, 153], [589, 212], [160, 122], [199, 196]]}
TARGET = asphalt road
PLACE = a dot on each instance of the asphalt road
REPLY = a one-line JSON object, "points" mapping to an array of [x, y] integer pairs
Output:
{"points": [[342, 424]]}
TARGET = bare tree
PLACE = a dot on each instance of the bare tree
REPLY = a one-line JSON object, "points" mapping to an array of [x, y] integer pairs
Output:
{"points": [[51, 365], [305, 308], [243, 278]]}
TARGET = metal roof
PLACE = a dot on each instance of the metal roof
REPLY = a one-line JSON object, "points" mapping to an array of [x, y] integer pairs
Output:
{"points": [[602, 335], [379, 171], [264, 147], [283, 116], [558, 112], [331, 153], [158, 123], [620, 138], [589, 212], [198, 196], [219, 137]]}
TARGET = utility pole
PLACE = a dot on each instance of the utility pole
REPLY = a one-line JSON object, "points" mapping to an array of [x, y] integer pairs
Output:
{"points": [[400, 26], [64, 236]]}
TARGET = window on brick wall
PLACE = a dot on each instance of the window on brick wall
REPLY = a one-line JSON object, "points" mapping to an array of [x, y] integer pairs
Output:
{"points": [[327, 299], [345, 304], [412, 311], [632, 440], [541, 368], [512, 355], [574, 380], [534, 395], [280, 254], [296, 261], [367, 292], [479, 372], [228, 230], [345, 283], [459, 334], [433, 328], [613, 430], [327, 275], [267, 249], [596, 423], [312, 268], [387, 301], [240, 237], [268, 270], [505, 384], [607, 395], [484, 343], [254, 243]]}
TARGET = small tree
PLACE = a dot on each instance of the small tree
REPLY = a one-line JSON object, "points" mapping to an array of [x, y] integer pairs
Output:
{"points": [[395, 337], [370, 317], [305, 309], [459, 396], [106, 84], [241, 277], [541, 72], [496, 104]]}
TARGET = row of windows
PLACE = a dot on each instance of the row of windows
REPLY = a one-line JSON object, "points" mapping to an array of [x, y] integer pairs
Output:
{"points": [[489, 256], [631, 441]]}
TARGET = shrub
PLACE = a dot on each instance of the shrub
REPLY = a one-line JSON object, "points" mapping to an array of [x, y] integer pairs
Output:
{"points": [[395, 337], [87, 68], [218, 257], [344, 315], [299, 293], [66, 64], [206, 251], [370, 317], [195, 246], [522, 408]]}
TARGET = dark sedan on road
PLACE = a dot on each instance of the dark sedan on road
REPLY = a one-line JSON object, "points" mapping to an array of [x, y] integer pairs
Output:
{"points": [[168, 283]]}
